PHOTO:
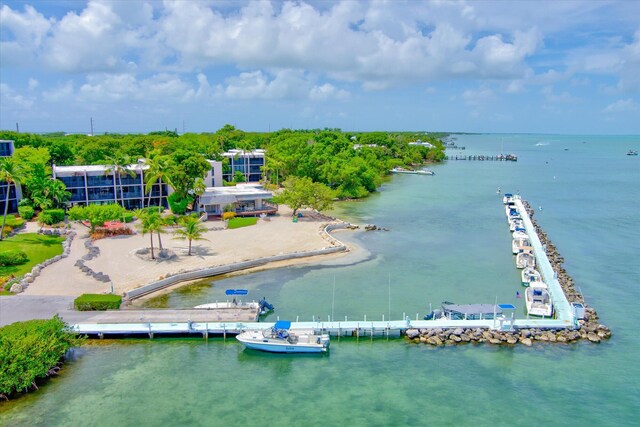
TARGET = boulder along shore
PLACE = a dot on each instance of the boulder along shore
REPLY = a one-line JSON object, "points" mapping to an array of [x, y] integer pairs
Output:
{"points": [[589, 329]]}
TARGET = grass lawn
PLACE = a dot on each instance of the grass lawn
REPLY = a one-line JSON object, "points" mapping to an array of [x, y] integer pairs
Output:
{"points": [[38, 248], [242, 222]]}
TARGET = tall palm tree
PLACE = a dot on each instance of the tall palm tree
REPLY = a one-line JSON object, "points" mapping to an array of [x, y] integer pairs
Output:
{"points": [[157, 225], [10, 174], [192, 230], [159, 171], [118, 166], [146, 226]]}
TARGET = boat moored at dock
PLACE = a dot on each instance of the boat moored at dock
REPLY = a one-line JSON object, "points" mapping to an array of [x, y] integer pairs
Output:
{"points": [[412, 172], [530, 276], [281, 339], [538, 301], [520, 244], [525, 259]]}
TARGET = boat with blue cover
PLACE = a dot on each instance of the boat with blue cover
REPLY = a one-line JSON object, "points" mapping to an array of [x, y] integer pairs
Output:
{"points": [[281, 339]]}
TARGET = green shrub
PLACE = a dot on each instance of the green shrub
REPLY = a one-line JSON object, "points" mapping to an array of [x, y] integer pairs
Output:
{"points": [[12, 257], [14, 222], [51, 216], [241, 222], [28, 350], [7, 230], [26, 212], [128, 216], [177, 204], [91, 302], [25, 202]]}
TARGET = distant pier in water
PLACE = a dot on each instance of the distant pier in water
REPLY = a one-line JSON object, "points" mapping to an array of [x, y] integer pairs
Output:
{"points": [[498, 158]]}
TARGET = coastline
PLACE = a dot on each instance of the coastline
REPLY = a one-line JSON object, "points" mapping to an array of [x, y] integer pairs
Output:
{"points": [[276, 236]]}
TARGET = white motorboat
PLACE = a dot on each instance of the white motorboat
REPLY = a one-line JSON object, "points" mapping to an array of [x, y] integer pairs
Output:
{"points": [[281, 339], [538, 301], [520, 244], [531, 277], [525, 259], [515, 224], [508, 197], [520, 234], [262, 306], [412, 172]]}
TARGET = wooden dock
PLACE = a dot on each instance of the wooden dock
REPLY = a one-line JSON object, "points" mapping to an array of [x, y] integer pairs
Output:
{"points": [[482, 158]]}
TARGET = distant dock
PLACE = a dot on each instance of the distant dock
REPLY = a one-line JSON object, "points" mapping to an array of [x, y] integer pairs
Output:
{"points": [[498, 158]]}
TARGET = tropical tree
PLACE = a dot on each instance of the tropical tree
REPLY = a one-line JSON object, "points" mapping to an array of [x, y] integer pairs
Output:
{"points": [[156, 224], [192, 229], [146, 225], [301, 192], [96, 215], [57, 191], [9, 173], [159, 171], [118, 165]]}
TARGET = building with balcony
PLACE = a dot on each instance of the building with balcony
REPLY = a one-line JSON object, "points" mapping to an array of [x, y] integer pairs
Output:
{"points": [[15, 191], [99, 184], [250, 163], [245, 200]]}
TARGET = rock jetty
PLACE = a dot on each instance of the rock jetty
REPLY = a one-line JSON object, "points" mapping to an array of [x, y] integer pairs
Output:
{"points": [[589, 329]]}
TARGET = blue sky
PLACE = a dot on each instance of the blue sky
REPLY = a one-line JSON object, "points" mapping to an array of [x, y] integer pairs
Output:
{"points": [[469, 66]]}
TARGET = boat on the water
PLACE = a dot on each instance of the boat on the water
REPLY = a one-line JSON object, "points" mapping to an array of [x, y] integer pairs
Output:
{"points": [[520, 244], [520, 234], [508, 197], [516, 223], [632, 153], [451, 311], [262, 306], [531, 277], [281, 339], [413, 172], [525, 259], [538, 301]]}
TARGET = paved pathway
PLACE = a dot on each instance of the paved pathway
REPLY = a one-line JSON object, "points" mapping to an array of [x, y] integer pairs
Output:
{"points": [[26, 307]]}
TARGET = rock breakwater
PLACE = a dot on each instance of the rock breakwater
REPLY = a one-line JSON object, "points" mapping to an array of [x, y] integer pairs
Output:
{"points": [[587, 329]]}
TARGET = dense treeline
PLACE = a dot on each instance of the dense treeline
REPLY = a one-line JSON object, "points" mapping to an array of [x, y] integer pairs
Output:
{"points": [[30, 351], [351, 164]]}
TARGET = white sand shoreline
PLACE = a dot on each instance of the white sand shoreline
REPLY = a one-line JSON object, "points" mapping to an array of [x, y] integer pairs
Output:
{"points": [[277, 235]]}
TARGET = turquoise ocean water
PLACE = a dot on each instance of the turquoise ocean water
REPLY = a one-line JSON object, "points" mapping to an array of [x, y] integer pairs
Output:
{"points": [[447, 240]]}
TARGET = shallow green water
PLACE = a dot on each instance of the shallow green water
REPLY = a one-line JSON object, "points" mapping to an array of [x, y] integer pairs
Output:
{"points": [[448, 239]]}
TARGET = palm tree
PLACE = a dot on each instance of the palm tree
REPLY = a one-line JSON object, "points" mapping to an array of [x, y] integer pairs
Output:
{"points": [[159, 170], [57, 192], [9, 173], [118, 167], [157, 225], [192, 230], [146, 225]]}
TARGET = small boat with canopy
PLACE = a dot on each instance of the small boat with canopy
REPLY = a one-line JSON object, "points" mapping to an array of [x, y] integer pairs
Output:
{"points": [[282, 339]]}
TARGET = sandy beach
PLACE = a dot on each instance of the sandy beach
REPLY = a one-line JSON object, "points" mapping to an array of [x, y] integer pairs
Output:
{"points": [[275, 235]]}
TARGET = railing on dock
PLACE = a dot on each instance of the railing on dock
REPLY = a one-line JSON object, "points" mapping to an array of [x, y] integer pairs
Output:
{"points": [[498, 158]]}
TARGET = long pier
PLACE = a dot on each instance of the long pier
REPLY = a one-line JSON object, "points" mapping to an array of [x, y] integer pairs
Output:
{"points": [[217, 321], [497, 158]]}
